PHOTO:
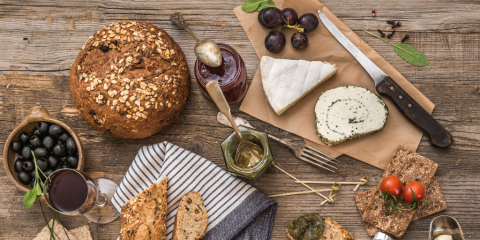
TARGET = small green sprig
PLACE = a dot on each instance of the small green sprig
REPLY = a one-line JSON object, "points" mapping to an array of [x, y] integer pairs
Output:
{"points": [[392, 204], [36, 190]]}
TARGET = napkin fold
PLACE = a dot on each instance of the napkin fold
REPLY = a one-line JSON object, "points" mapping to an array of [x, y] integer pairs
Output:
{"points": [[236, 210], [375, 149]]}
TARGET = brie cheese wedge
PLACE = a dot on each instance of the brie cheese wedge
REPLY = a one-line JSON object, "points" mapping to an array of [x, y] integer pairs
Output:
{"points": [[348, 112], [287, 81]]}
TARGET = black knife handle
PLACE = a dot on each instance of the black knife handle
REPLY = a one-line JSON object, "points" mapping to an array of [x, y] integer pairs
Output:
{"points": [[439, 136]]}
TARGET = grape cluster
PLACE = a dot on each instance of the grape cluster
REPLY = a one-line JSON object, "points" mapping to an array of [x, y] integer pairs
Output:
{"points": [[273, 17]]}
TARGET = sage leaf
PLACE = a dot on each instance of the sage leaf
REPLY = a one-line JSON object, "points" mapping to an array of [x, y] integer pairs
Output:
{"points": [[411, 55], [29, 198], [250, 5], [266, 4], [258, 5], [38, 189], [407, 52]]}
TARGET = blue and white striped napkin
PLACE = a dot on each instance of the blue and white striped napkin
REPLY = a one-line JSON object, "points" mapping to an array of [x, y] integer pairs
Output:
{"points": [[236, 210]]}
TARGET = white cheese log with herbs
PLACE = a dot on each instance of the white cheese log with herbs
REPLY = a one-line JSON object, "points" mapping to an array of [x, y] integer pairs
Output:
{"points": [[287, 81], [348, 112]]}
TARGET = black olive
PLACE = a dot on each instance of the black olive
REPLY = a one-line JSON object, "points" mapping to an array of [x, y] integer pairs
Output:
{"points": [[104, 48], [18, 164], [35, 141], [64, 165], [63, 159], [16, 147], [43, 127], [54, 130], [52, 162], [33, 173], [37, 132], [27, 152], [24, 177], [48, 142], [24, 137], [59, 150], [42, 163], [28, 165], [48, 172], [40, 152], [72, 161], [63, 137], [71, 145]]}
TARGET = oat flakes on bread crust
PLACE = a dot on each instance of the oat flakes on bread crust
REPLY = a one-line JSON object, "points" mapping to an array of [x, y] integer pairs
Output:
{"points": [[145, 215], [408, 166], [130, 80], [191, 219], [332, 231]]}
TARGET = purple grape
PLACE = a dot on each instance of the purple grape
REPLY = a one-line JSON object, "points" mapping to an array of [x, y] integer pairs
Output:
{"points": [[290, 16], [308, 22], [275, 41], [299, 41], [270, 17]]}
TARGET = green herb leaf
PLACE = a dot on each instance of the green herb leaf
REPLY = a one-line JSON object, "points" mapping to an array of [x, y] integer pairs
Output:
{"points": [[407, 52], [411, 55], [263, 5], [252, 5], [38, 189], [29, 198]]}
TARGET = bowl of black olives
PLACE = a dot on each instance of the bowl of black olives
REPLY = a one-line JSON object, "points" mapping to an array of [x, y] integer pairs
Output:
{"points": [[53, 143]]}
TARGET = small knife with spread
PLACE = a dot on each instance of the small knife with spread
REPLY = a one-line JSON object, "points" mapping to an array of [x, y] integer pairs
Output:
{"points": [[439, 136]]}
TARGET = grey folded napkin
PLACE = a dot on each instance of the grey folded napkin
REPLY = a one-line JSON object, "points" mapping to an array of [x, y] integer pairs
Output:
{"points": [[236, 210]]}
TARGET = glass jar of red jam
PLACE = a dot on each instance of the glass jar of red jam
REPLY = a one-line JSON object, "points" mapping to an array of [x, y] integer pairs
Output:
{"points": [[231, 75]]}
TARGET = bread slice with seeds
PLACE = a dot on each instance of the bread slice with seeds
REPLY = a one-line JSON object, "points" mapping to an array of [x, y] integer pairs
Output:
{"points": [[191, 219], [145, 215]]}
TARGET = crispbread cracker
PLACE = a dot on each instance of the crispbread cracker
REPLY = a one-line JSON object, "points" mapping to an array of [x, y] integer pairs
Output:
{"points": [[59, 231], [362, 200], [433, 194], [408, 166], [82, 233]]}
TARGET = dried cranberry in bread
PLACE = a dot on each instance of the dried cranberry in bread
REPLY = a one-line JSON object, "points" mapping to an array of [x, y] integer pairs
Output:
{"points": [[130, 80]]}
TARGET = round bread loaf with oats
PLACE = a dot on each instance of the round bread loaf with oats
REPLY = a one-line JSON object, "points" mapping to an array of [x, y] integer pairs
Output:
{"points": [[130, 80]]}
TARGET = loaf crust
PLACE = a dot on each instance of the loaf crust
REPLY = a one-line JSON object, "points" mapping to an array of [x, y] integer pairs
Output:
{"points": [[145, 215], [187, 213], [130, 80], [332, 231]]}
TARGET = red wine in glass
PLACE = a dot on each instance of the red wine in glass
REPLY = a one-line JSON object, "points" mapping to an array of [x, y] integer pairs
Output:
{"points": [[72, 192]]}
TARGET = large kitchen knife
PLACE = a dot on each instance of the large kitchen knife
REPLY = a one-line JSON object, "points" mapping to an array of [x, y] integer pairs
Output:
{"points": [[439, 136]]}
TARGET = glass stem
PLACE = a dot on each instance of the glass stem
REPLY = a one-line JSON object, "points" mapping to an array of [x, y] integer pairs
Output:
{"points": [[101, 200]]}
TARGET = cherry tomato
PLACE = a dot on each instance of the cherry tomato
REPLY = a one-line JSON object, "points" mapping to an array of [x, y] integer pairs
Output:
{"points": [[393, 184], [418, 190]]}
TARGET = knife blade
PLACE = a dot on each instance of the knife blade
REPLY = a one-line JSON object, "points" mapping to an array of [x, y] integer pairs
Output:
{"points": [[382, 236], [385, 85]]}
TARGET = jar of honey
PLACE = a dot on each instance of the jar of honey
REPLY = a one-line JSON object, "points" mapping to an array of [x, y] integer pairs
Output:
{"points": [[231, 75]]}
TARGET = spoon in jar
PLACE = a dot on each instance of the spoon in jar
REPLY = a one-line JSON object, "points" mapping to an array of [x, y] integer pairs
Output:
{"points": [[206, 50], [248, 154]]}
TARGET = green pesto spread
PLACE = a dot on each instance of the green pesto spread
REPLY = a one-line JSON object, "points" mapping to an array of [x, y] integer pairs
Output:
{"points": [[307, 227]]}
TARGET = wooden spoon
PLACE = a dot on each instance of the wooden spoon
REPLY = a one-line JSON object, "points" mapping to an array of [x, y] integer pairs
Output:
{"points": [[248, 153]]}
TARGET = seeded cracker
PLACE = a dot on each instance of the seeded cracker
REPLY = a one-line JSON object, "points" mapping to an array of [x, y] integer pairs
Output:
{"points": [[433, 194], [408, 166]]}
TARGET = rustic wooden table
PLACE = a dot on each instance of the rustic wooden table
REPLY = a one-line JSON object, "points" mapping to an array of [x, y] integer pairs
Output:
{"points": [[40, 40]]}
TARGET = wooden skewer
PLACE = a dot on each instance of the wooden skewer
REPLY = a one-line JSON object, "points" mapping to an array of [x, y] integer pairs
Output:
{"points": [[353, 183], [294, 178], [296, 193]]}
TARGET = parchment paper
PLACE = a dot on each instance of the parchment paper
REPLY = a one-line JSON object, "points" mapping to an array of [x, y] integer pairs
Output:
{"points": [[375, 149]]}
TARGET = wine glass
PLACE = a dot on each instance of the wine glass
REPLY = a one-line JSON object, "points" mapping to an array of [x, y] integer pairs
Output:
{"points": [[72, 192]]}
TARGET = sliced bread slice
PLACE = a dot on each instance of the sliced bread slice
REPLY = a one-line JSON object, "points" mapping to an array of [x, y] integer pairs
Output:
{"points": [[332, 231], [59, 232], [145, 215], [82, 233], [191, 219]]}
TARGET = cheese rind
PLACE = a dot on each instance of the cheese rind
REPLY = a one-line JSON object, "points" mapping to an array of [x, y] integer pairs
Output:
{"points": [[348, 112], [286, 81]]}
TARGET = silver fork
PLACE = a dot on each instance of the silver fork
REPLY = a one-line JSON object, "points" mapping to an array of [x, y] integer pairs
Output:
{"points": [[301, 151]]}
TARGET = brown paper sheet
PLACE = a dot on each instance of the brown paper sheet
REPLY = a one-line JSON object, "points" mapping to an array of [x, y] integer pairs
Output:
{"points": [[375, 149]]}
